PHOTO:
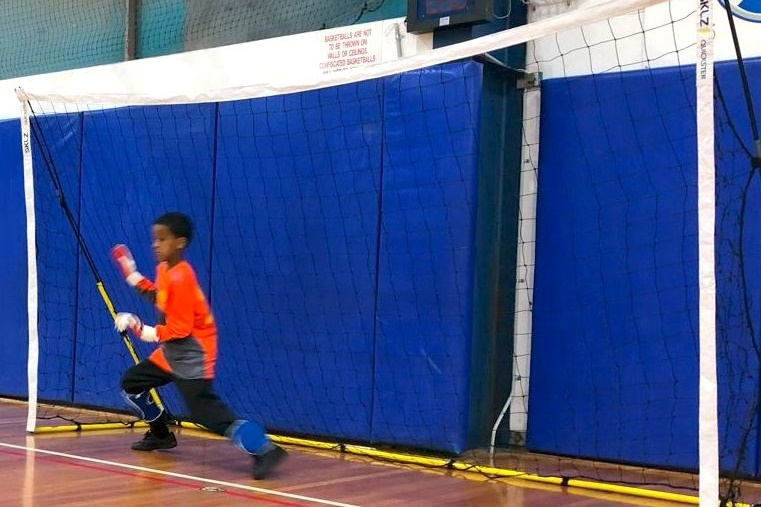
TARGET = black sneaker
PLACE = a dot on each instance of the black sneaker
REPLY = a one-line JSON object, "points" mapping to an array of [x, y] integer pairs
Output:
{"points": [[151, 443], [264, 463]]}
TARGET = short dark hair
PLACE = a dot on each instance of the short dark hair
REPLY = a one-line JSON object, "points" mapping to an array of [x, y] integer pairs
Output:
{"points": [[179, 224]]}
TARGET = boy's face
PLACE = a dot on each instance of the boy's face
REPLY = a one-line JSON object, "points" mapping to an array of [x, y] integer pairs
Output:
{"points": [[166, 246]]}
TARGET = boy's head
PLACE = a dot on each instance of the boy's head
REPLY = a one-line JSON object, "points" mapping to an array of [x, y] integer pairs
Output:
{"points": [[171, 233]]}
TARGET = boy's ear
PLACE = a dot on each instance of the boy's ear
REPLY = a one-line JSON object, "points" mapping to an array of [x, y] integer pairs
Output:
{"points": [[183, 242]]}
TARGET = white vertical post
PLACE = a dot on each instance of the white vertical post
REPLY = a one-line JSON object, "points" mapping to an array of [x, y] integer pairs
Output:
{"points": [[516, 405], [31, 259], [708, 434], [524, 283]]}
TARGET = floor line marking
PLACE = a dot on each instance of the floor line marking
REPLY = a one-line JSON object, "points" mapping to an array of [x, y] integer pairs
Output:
{"points": [[193, 478]]}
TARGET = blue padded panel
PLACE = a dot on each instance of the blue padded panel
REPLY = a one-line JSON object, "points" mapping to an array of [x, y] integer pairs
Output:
{"points": [[614, 348], [425, 288], [13, 276], [738, 268], [294, 281], [57, 261]]}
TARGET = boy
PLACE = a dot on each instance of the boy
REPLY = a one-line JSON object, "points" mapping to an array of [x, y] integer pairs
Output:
{"points": [[187, 349]]}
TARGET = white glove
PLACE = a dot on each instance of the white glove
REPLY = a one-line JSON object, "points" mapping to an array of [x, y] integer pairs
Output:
{"points": [[126, 263], [124, 321]]}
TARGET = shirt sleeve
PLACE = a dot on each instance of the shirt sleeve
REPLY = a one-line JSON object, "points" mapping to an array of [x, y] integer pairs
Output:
{"points": [[147, 289], [180, 299]]}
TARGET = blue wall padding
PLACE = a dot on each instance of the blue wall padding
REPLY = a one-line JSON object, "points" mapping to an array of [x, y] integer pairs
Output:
{"points": [[614, 371], [738, 266], [13, 274], [294, 256], [424, 315], [57, 263], [613, 349]]}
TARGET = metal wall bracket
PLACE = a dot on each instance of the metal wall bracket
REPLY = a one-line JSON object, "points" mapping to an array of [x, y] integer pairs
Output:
{"points": [[529, 80]]}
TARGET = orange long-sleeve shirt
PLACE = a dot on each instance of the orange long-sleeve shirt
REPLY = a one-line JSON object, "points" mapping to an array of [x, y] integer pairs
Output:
{"points": [[187, 332]]}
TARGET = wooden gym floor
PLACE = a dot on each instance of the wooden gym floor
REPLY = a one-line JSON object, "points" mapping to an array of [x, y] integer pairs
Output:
{"points": [[98, 468]]}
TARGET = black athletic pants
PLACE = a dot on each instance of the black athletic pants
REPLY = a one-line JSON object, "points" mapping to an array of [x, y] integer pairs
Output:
{"points": [[204, 405]]}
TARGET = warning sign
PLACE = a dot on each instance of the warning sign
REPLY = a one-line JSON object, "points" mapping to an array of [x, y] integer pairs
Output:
{"points": [[347, 48]]}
